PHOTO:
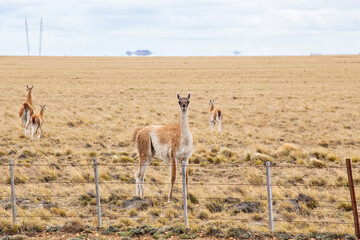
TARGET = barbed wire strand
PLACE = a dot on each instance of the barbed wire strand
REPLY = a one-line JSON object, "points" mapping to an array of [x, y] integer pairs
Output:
{"points": [[123, 197], [190, 183], [168, 165]]}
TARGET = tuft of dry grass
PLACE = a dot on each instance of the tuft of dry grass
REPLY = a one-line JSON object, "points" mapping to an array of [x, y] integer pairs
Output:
{"points": [[317, 163], [73, 226]]}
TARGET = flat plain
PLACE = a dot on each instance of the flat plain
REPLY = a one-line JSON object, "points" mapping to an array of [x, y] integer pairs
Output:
{"points": [[300, 113]]}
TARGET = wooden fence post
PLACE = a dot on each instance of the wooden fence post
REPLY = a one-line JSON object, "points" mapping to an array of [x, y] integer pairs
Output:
{"points": [[269, 194], [97, 192], [183, 166], [13, 198], [353, 198]]}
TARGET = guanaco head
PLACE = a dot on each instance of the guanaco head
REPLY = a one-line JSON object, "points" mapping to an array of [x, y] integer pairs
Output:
{"points": [[211, 102], [42, 109], [29, 88], [184, 102]]}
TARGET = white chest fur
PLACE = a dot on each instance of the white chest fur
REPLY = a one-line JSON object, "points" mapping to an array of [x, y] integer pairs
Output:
{"points": [[185, 150], [161, 149]]}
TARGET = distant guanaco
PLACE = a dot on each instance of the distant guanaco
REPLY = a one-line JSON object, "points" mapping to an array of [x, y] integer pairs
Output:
{"points": [[27, 109], [36, 122], [215, 115]]}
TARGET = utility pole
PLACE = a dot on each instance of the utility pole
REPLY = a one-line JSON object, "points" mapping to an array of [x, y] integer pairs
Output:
{"points": [[41, 23], [27, 36]]}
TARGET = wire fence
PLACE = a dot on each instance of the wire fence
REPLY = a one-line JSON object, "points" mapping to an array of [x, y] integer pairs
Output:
{"points": [[111, 208], [157, 164]]}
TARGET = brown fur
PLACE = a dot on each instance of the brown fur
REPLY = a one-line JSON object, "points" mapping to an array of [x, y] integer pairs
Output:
{"points": [[27, 107], [216, 112], [36, 117], [170, 133], [135, 134], [142, 142], [23, 107]]}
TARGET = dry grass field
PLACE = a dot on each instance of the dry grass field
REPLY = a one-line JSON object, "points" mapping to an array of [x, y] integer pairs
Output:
{"points": [[301, 113]]}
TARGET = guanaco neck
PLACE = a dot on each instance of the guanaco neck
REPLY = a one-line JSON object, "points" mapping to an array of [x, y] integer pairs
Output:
{"points": [[184, 124], [211, 107], [41, 112], [29, 97]]}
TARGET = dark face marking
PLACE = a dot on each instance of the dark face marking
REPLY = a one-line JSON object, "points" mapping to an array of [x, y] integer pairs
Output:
{"points": [[184, 102]]}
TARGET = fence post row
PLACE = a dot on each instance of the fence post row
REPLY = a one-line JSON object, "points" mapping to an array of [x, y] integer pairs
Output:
{"points": [[183, 166], [97, 192], [269, 195], [353, 198], [13, 198]]}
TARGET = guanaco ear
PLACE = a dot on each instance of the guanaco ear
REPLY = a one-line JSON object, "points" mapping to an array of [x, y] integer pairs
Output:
{"points": [[32, 87], [178, 95], [27, 87], [188, 95]]}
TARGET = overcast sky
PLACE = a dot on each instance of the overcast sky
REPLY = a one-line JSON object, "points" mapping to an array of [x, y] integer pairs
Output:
{"points": [[181, 27]]}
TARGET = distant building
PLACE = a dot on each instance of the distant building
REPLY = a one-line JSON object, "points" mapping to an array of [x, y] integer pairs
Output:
{"points": [[139, 53]]}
